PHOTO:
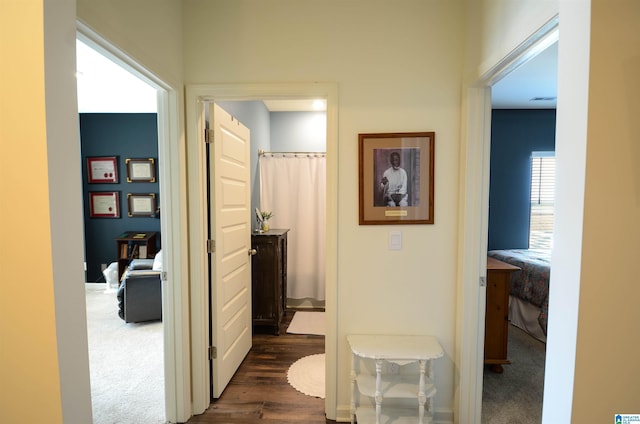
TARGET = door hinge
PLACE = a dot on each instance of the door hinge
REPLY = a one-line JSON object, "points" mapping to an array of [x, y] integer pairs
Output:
{"points": [[164, 276], [211, 246], [208, 135], [483, 281], [213, 352]]}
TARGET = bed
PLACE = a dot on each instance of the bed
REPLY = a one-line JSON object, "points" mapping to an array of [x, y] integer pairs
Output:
{"points": [[529, 292]]}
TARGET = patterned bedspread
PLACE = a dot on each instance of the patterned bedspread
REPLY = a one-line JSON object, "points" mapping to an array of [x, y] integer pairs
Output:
{"points": [[532, 282]]}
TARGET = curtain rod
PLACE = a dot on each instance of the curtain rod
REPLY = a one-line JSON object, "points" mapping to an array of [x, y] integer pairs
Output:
{"points": [[261, 152]]}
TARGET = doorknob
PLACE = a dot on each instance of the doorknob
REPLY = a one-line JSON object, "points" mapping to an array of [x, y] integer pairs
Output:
{"points": [[252, 252]]}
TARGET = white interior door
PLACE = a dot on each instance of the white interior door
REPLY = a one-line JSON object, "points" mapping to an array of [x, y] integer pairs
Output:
{"points": [[230, 228]]}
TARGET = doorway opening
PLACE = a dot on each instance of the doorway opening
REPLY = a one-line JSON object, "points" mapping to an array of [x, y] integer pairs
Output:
{"points": [[118, 119], [287, 173], [197, 96], [518, 264], [474, 231], [175, 348]]}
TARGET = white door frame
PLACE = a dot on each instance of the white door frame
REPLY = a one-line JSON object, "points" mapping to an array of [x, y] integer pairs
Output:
{"points": [[196, 98], [175, 304], [474, 219]]}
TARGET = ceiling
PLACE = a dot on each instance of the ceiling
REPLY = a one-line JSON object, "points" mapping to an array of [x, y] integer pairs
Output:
{"points": [[105, 87], [535, 79]]}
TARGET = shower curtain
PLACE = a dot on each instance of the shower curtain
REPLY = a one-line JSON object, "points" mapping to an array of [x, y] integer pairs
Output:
{"points": [[292, 186]]}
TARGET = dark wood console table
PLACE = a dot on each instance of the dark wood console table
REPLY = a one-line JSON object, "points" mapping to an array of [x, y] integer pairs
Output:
{"points": [[269, 277]]}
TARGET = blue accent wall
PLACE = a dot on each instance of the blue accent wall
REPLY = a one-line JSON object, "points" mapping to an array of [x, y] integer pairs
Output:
{"points": [[124, 135], [298, 131], [514, 135]]}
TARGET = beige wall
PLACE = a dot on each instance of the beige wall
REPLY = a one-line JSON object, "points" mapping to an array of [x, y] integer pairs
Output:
{"points": [[149, 31], [503, 25], [28, 345], [398, 68], [608, 347]]}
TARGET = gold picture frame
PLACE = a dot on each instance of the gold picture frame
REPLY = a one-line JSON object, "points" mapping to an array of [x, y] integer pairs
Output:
{"points": [[141, 170], [141, 205]]}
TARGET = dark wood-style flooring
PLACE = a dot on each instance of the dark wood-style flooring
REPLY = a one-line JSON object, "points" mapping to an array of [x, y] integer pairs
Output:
{"points": [[259, 391]]}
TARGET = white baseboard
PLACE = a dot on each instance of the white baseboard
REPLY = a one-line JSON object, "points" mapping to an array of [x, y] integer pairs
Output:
{"points": [[343, 414], [443, 416]]}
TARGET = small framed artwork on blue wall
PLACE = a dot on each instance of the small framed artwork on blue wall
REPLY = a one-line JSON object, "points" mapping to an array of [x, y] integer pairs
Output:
{"points": [[141, 170], [141, 204], [102, 169], [104, 204]]}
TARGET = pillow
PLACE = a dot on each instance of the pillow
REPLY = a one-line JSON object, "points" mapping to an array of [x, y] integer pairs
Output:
{"points": [[157, 261]]}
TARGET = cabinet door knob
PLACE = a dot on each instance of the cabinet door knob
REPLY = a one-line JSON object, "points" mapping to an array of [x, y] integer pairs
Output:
{"points": [[252, 252]]}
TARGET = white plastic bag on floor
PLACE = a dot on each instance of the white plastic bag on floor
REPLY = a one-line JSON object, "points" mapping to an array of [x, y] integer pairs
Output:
{"points": [[111, 276]]}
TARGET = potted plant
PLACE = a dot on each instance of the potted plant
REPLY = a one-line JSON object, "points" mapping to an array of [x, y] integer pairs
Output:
{"points": [[265, 215]]}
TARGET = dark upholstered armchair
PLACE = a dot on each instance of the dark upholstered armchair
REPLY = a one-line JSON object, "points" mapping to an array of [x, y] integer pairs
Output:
{"points": [[140, 292]]}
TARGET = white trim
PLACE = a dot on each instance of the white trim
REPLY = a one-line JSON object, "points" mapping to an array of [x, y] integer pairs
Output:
{"points": [[104, 47], [196, 97], [173, 229], [474, 164], [473, 222], [197, 216], [544, 37]]}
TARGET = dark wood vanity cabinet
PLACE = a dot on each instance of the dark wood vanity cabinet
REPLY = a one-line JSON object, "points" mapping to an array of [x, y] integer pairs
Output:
{"points": [[269, 277]]}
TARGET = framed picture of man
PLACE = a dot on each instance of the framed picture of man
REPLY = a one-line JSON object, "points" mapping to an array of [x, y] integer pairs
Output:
{"points": [[396, 178]]}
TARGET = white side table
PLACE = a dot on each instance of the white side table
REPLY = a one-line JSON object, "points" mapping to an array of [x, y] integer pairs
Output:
{"points": [[385, 384]]}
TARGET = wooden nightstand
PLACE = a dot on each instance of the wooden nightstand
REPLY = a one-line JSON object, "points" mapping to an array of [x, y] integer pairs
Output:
{"points": [[496, 322]]}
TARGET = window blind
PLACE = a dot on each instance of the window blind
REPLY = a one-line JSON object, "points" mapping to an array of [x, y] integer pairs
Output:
{"points": [[543, 176]]}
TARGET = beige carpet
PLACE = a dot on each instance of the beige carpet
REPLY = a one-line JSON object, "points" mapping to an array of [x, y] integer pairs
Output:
{"points": [[307, 323], [126, 363], [307, 375]]}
